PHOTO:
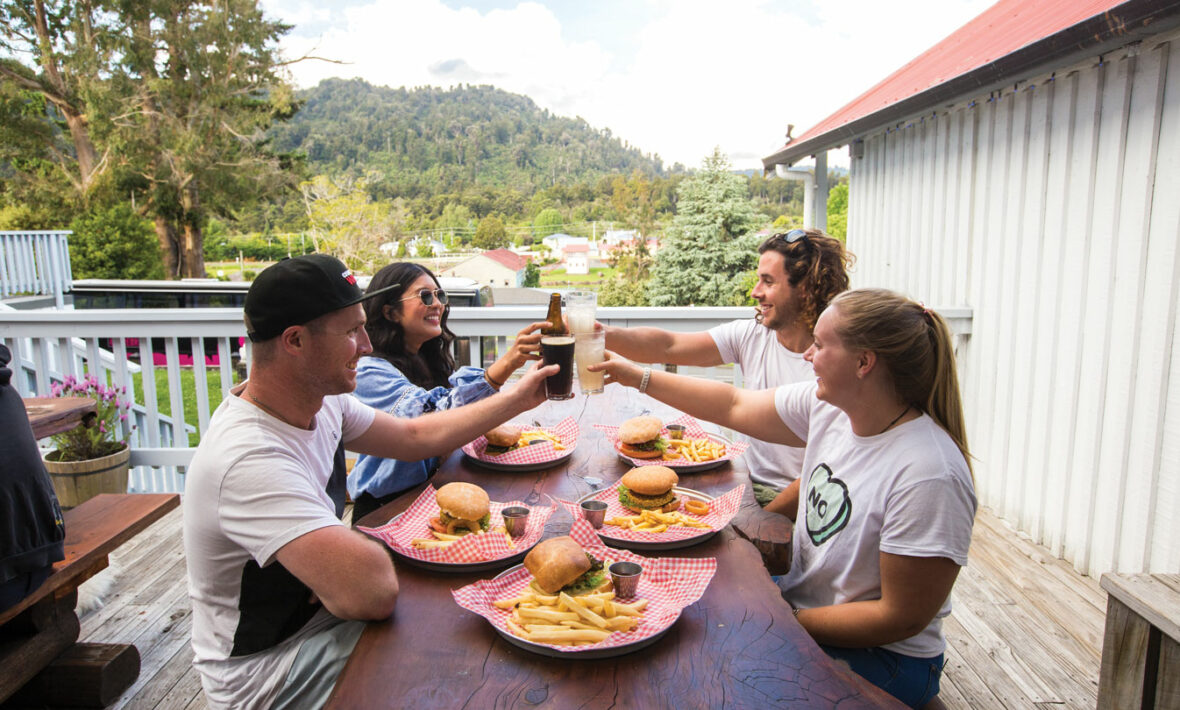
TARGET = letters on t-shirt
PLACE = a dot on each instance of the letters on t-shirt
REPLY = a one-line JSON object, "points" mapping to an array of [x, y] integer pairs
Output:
{"points": [[828, 505]]}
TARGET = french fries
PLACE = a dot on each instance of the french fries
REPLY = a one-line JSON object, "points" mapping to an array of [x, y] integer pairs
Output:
{"points": [[530, 434], [655, 521], [442, 540], [696, 450], [568, 621]]}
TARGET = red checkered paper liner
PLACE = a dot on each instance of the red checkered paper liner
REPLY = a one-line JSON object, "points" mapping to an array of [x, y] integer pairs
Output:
{"points": [[669, 584], [415, 523], [721, 511], [566, 430], [692, 430]]}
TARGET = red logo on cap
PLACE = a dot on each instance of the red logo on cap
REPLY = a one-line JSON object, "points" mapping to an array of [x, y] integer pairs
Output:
{"points": [[349, 277]]}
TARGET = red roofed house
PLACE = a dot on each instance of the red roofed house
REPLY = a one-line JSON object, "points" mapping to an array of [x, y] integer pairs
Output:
{"points": [[577, 259], [1028, 167], [497, 267]]}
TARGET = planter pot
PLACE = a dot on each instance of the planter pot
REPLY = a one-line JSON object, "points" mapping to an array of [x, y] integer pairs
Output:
{"points": [[77, 481]]}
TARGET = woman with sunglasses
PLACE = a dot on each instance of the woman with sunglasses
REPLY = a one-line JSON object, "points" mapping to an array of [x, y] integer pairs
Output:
{"points": [[886, 501], [412, 371]]}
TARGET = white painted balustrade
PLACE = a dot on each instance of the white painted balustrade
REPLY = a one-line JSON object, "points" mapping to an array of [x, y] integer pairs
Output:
{"points": [[50, 344]]}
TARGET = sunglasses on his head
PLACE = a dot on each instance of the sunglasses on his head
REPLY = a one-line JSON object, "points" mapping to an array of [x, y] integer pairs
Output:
{"points": [[795, 235], [427, 296]]}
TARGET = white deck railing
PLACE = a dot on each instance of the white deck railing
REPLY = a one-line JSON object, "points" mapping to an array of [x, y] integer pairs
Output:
{"points": [[35, 263], [47, 345]]}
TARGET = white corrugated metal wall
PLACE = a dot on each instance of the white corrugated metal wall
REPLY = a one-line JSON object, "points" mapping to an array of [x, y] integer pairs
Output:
{"points": [[1052, 208]]}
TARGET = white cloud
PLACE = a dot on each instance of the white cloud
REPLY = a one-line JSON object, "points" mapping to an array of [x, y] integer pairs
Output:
{"points": [[700, 76]]}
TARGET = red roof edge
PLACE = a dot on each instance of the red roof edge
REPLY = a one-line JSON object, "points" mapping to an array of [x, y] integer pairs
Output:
{"points": [[1008, 42]]}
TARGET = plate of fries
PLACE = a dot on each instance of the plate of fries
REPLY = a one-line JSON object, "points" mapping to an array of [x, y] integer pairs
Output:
{"points": [[698, 450], [411, 538], [593, 625], [653, 530], [539, 448]]}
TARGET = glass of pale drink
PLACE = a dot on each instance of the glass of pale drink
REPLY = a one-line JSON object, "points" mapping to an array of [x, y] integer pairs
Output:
{"points": [[580, 309], [590, 348]]}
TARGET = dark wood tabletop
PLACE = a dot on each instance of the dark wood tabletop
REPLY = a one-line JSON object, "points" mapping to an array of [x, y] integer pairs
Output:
{"points": [[738, 646], [53, 415]]}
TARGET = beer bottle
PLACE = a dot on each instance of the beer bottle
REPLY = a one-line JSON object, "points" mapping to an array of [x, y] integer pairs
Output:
{"points": [[556, 322]]}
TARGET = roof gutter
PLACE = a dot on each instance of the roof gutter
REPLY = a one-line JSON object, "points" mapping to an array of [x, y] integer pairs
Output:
{"points": [[1123, 25]]}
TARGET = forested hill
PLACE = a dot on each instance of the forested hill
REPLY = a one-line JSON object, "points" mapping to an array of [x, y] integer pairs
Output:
{"points": [[429, 140]]}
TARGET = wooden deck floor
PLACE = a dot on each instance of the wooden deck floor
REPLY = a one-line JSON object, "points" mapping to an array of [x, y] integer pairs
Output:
{"points": [[1026, 631]]}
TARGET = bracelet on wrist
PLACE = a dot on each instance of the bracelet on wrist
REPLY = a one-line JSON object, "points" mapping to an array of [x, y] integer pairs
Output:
{"points": [[646, 379], [495, 385]]}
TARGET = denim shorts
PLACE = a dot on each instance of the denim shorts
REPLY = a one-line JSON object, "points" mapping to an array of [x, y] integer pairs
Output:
{"points": [[914, 681]]}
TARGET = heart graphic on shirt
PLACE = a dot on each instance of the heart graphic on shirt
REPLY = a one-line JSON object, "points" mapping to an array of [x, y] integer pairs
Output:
{"points": [[828, 505]]}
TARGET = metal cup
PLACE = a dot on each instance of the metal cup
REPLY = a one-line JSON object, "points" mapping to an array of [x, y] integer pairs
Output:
{"points": [[675, 431], [625, 577], [594, 511], [516, 520]]}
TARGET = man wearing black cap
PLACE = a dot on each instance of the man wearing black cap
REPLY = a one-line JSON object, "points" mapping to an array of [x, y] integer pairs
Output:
{"points": [[273, 572]]}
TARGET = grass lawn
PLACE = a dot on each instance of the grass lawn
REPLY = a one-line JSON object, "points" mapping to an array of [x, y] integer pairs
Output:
{"points": [[188, 387], [558, 277]]}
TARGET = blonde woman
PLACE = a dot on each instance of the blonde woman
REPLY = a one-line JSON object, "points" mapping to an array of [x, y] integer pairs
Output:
{"points": [[886, 501]]}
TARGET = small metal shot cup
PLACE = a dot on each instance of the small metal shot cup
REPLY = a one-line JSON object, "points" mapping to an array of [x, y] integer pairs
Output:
{"points": [[594, 511], [676, 431], [625, 577], [516, 520]]}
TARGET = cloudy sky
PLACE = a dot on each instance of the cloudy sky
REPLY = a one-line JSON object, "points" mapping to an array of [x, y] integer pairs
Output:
{"points": [[672, 77]]}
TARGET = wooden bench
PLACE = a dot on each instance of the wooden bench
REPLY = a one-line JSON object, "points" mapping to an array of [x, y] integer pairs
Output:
{"points": [[1141, 646], [38, 649]]}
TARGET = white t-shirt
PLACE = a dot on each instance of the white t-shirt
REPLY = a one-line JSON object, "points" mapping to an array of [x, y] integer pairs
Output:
{"points": [[255, 484], [906, 492], [765, 364]]}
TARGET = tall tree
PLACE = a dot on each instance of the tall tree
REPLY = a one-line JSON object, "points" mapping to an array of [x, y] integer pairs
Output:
{"points": [[490, 234], [57, 52], [709, 243], [165, 100]]}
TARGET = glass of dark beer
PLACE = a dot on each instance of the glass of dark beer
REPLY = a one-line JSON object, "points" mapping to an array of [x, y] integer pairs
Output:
{"points": [[559, 350]]}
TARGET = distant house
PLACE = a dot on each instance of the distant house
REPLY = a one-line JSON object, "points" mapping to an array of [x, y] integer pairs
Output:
{"points": [[577, 259], [497, 267], [1027, 167], [558, 243], [615, 237]]}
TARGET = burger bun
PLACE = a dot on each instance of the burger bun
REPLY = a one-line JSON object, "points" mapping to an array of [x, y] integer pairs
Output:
{"points": [[504, 435], [650, 480], [639, 430], [463, 500], [555, 563]]}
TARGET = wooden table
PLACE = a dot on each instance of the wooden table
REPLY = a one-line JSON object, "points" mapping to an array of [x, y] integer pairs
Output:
{"points": [[53, 415], [738, 646]]}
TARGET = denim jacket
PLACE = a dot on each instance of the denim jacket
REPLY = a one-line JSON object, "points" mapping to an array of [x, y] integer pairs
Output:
{"points": [[382, 386]]}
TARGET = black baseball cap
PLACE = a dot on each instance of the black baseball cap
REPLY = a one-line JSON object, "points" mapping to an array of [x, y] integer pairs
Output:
{"points": [[298, 290]]}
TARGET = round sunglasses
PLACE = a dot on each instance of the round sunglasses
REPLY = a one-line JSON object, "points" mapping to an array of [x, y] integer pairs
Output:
{"points": [[427, 296]]}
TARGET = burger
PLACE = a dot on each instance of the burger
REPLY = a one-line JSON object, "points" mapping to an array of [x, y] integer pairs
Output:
{"points": [[640, 438], [561, 565], [649, 488], [462, 508], [502, 439]]}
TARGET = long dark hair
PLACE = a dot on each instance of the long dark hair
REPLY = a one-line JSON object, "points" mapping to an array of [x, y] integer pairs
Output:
{"points": [[433, 363]]}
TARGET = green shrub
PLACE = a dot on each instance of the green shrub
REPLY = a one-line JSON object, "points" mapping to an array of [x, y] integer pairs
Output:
{"points": [[114, 243]]}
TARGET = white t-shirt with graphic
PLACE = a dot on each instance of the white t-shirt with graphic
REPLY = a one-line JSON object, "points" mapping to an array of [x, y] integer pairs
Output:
{"points": [[255, 484], [906, 492], [765, 364]]}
